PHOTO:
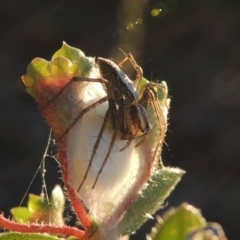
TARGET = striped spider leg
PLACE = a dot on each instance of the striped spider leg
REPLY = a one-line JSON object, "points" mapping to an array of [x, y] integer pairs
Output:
{"points": [[149, 99]]}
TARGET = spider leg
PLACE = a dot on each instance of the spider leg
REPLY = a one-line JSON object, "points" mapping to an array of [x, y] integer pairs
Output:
{"points": [[161, 126], [128, 143], [114, 136], [150, 94], [138, 70], [85, 110], [129, 57], [95, 147], [140, 142], [57, 95], [74, 79], [130, 140]]}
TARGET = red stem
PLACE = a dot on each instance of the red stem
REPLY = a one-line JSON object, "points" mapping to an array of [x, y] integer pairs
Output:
{"points": [[37, 228]]}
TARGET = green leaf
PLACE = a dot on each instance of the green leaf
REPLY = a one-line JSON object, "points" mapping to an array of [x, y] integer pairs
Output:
{"points": [[71, 53], [27, 236], [36, 203], [74, 55], [39, 68], [67, 62], [152, 197], [177, 223], [40, 210], [21, 214]]}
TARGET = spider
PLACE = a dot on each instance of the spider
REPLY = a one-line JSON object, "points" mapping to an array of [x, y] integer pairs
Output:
{"points": [[127, 108]]}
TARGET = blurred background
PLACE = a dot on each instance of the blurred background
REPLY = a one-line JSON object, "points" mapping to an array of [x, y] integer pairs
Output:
{"points": [[193, 45]]}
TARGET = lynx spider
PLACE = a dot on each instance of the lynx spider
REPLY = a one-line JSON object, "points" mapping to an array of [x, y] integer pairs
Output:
{"points": [[127, 108]]}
